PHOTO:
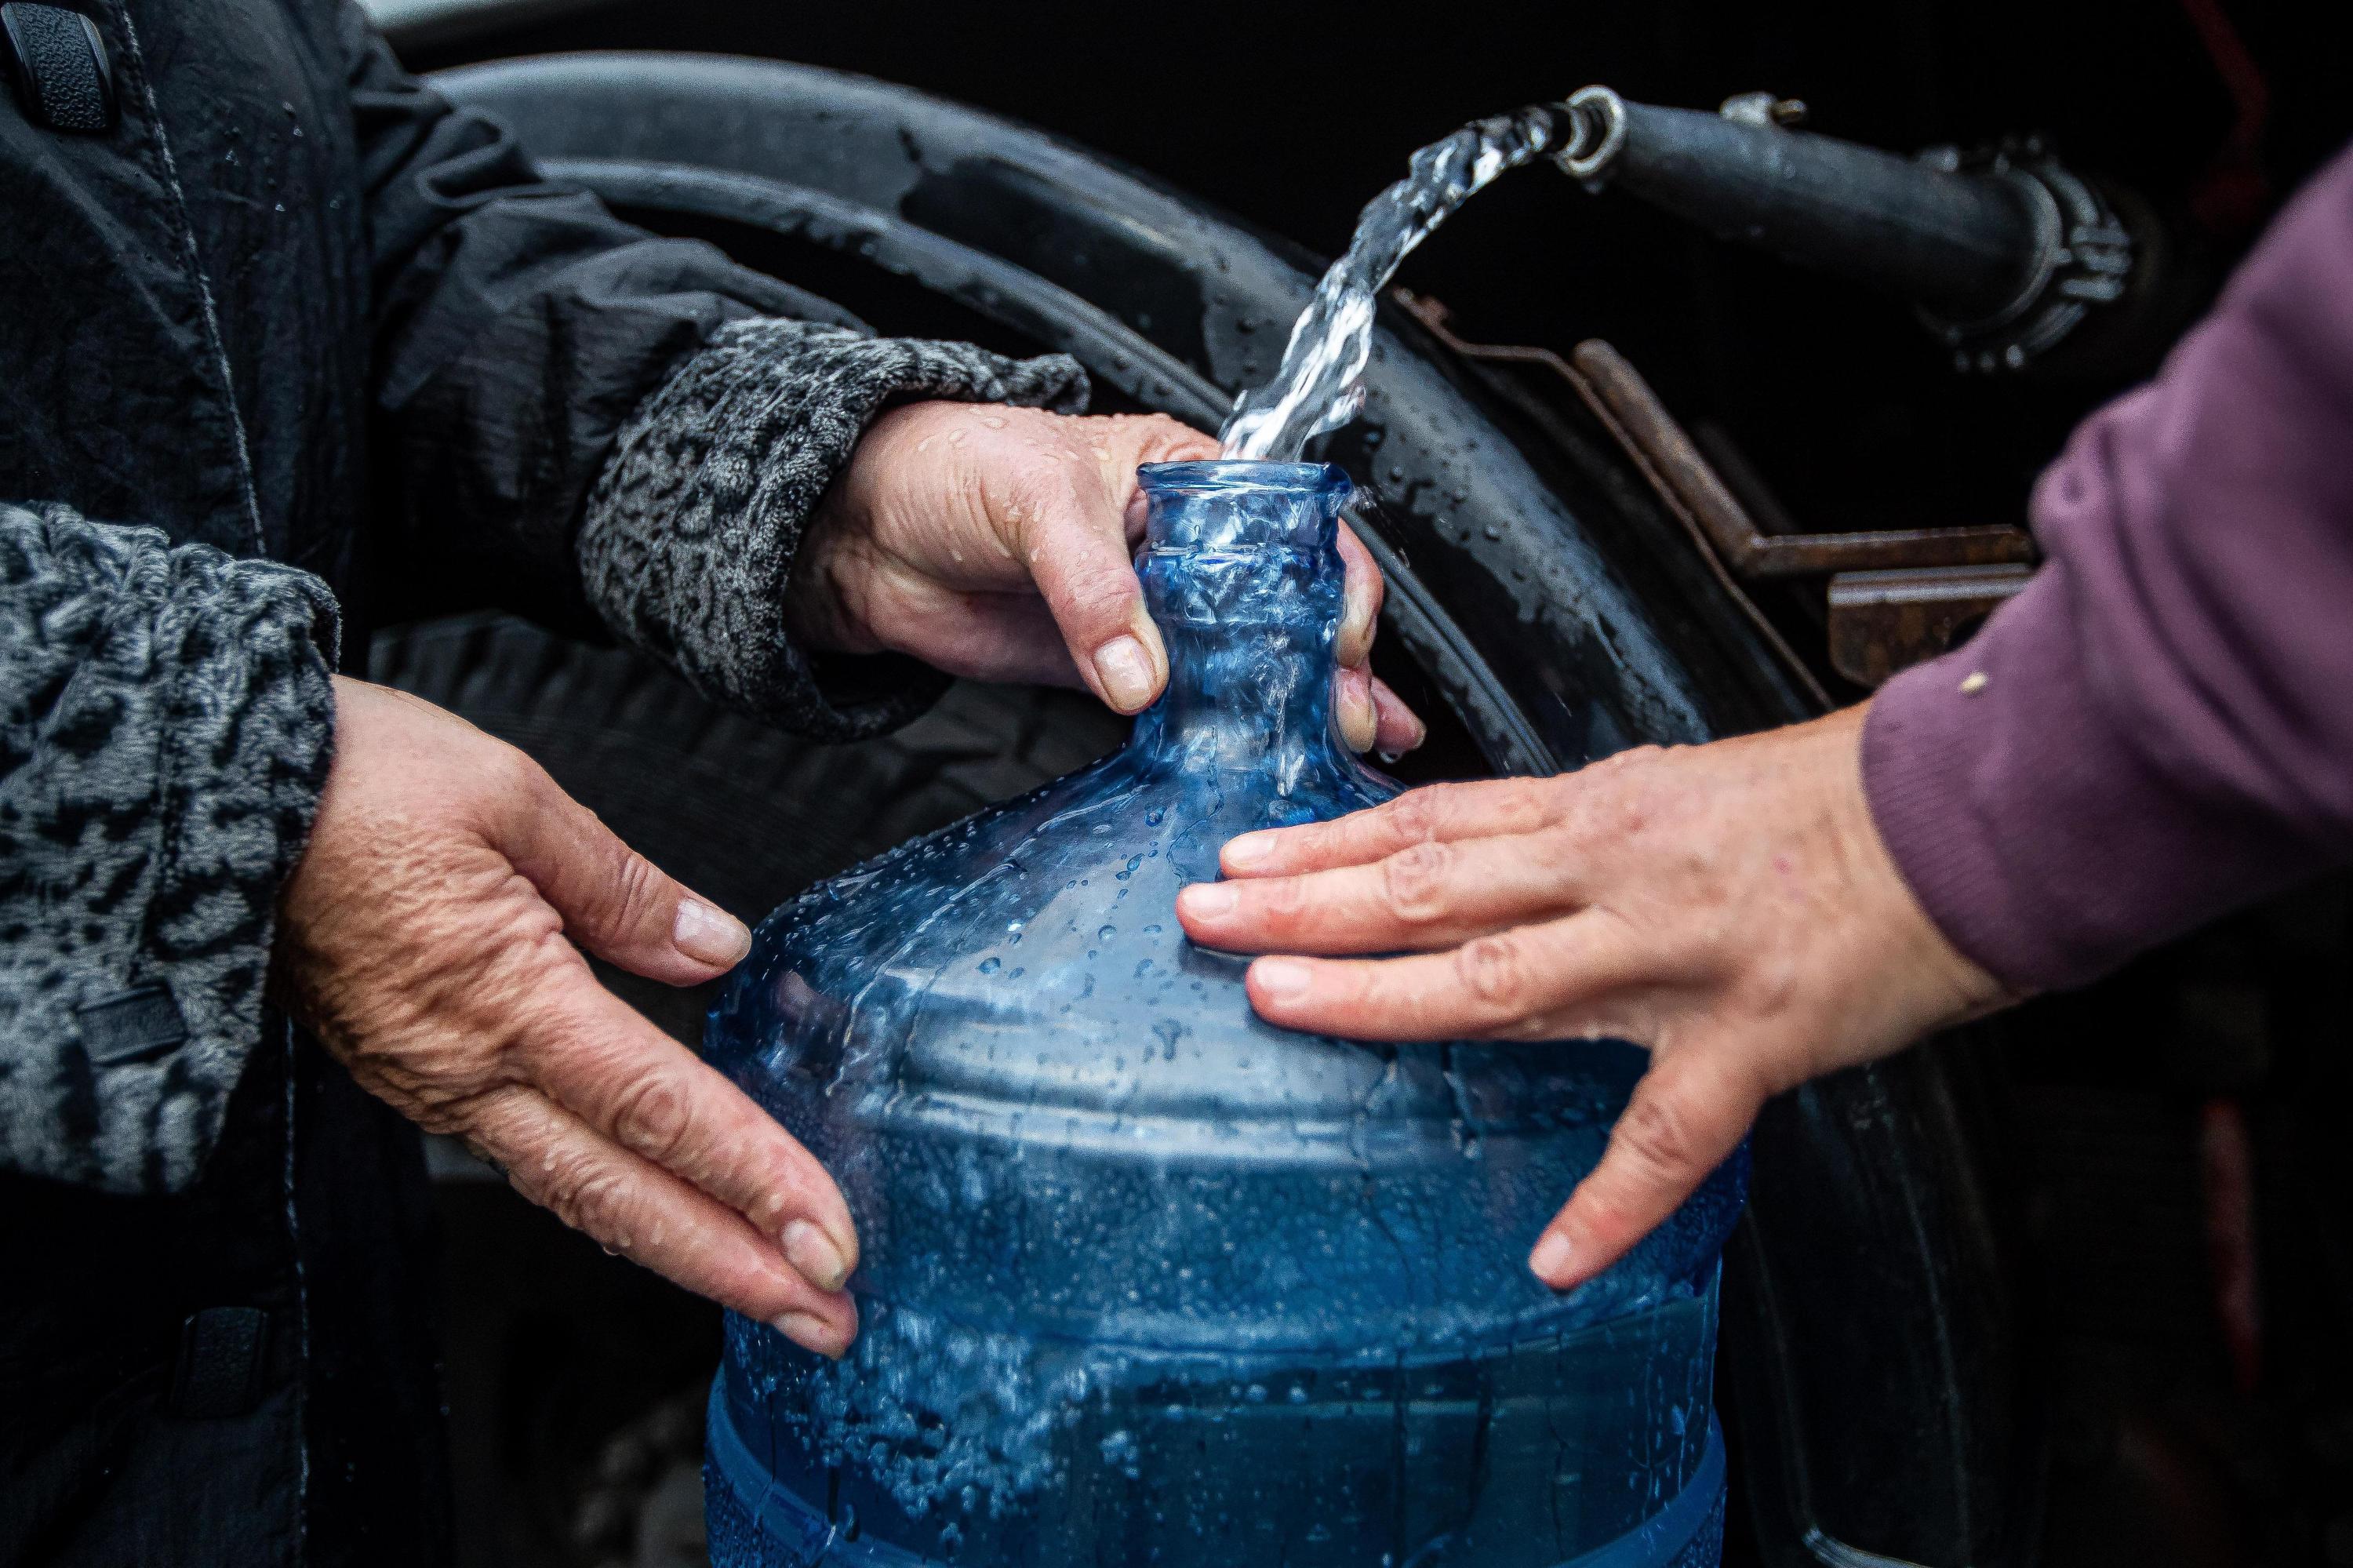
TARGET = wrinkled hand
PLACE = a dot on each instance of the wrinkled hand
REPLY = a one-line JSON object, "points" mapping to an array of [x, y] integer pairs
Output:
{"points": [[998, 542], [1730, 907], [424, 940]]}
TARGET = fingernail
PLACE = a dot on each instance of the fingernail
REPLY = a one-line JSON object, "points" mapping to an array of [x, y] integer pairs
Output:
{"points": [[1550, 1260], [812, 1251], [708, 936], [1356, 639], [1125, 671], [1281, 977], [1359, 723], [807, 1330], [1387, 703], [1251, 849], [1208, 900]]}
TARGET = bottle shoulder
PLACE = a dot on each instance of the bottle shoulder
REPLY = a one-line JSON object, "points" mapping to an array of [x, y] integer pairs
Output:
{"points": [[999, 1041], [1029, 957]]}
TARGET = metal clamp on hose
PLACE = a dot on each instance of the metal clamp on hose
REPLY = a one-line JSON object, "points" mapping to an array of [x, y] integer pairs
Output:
{"points": [[2084, 258]]}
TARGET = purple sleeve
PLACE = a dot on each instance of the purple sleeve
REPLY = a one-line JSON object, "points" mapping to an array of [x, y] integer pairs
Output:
{"points": [[2160, 727]]}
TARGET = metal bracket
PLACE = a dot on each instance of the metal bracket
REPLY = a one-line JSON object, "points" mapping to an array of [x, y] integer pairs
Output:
{"points": [[1896, 596], [1882, 621], [1624, 402]]}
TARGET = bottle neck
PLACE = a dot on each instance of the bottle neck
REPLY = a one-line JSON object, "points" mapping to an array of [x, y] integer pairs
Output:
{"points": [[1241, 573], [1249, 635]]}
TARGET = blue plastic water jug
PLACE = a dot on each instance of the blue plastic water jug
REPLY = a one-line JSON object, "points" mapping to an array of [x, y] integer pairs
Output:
{"points": [[1146, 1280]]}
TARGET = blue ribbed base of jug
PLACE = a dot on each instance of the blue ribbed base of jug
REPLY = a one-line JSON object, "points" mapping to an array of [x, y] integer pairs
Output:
{"points": [[754, 1523]]}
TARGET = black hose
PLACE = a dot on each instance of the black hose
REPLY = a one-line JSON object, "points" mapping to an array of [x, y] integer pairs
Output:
{"points": [[1966, 247]]}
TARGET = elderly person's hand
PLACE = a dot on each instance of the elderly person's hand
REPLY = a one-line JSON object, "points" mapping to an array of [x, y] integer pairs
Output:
{"points": [[1730, 907], [427, 938], [997, 542]]}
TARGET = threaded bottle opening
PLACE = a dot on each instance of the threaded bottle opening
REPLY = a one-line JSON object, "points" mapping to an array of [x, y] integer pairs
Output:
{"points": [[1242, 507]]}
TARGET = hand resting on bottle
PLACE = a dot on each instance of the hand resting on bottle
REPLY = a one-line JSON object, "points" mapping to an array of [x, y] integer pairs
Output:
{"points": [[1729, 906]]}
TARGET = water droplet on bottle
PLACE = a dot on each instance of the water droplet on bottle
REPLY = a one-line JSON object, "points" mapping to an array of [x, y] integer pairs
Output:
{"points": [[990, 965]]}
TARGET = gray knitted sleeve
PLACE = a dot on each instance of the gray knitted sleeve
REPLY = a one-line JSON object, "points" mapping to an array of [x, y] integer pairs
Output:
{"points": [[167, 721], [692, 529]]}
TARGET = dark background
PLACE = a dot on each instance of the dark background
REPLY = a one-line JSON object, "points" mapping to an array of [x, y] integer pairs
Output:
{"points": [[1292, 116]]}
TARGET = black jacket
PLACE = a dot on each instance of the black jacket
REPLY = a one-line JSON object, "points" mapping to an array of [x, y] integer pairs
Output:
{"points": [[315, 348]]}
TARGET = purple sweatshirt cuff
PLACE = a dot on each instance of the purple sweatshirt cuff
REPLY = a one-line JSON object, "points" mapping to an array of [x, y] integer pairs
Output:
{"points": [[2160, 727], [2032, 828]]}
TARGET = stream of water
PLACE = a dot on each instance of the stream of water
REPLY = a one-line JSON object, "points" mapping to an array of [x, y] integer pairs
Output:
{"points": [[1320, 386]]}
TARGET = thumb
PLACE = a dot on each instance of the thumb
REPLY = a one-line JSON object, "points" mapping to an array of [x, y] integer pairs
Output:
{"points": [[1686, 1116], [615, 901], [1080, 557]]}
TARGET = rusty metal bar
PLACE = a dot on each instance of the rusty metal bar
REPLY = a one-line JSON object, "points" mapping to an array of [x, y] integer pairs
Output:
{"points": [[1896, 595], [1880, 622], [1623, 401], [1432, 314]]}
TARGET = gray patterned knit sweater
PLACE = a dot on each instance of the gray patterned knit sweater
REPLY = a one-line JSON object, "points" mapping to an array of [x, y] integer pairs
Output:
{"points": [[166, 723], [692, 528]]}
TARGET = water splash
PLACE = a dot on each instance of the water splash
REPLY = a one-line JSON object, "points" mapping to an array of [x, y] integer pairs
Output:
{"points": [[942, 1417], [1319, 387]]}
